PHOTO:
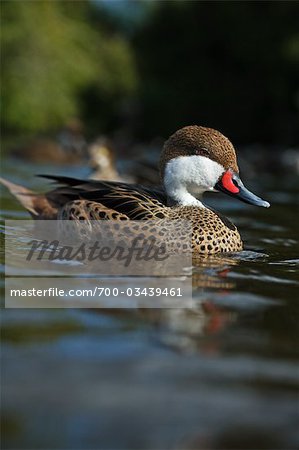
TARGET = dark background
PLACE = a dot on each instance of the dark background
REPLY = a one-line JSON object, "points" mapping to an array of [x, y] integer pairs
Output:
{"points": [[147, 68]]}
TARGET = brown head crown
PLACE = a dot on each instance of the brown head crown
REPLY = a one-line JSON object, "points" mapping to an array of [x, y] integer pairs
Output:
{"points": [[196, 140]]}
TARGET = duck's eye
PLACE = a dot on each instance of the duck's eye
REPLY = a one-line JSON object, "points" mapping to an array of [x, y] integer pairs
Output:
{"points": [[202, 151]]}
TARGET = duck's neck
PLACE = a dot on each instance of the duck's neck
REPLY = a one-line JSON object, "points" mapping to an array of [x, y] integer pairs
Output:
{"points": [[178, 195], [182, 193], [192, 201]]}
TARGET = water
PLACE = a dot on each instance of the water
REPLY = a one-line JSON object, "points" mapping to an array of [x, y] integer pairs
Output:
{"points": [[222, 375]]}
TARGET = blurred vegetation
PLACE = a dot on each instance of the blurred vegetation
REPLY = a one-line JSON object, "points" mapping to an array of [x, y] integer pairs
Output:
{"points": [[229, 65], [53, 52]]}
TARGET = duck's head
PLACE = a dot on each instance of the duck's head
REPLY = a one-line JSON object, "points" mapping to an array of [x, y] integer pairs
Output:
{"points": [[197, 159]]}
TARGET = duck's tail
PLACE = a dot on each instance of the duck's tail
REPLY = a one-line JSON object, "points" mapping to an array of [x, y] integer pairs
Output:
{"points": [[37, 204]]}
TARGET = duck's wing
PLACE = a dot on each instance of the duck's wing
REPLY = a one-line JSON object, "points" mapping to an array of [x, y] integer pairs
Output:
{"points": [[135, 201]]}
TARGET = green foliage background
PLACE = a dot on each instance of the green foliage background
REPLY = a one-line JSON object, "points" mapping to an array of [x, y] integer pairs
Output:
{"points": [[229, 65], [52, 52]]}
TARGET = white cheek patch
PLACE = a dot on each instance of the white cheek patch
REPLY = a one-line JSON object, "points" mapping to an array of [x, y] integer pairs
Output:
{"points": [[187, 174]]}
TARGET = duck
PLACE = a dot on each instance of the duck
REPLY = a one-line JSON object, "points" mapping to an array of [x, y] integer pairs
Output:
{"points": [[194, 160], [102, 161]]}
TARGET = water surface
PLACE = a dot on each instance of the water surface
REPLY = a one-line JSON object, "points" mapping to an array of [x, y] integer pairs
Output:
{"points": [[220, 375]]}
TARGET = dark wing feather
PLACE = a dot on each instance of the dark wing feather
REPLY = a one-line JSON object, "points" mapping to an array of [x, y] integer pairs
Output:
{"points": [[132, 202], [95, 185], [136, 201]]}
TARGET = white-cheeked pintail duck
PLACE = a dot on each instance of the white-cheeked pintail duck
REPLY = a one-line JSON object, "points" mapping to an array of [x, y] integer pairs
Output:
{"points": [[194, 160]]}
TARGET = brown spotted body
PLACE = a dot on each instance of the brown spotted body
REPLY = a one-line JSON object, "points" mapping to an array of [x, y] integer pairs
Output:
{"points": [[195, 159], [211, 233]]}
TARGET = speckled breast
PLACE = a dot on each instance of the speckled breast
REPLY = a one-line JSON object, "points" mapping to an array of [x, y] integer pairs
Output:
{"points": [[212, 232]]}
